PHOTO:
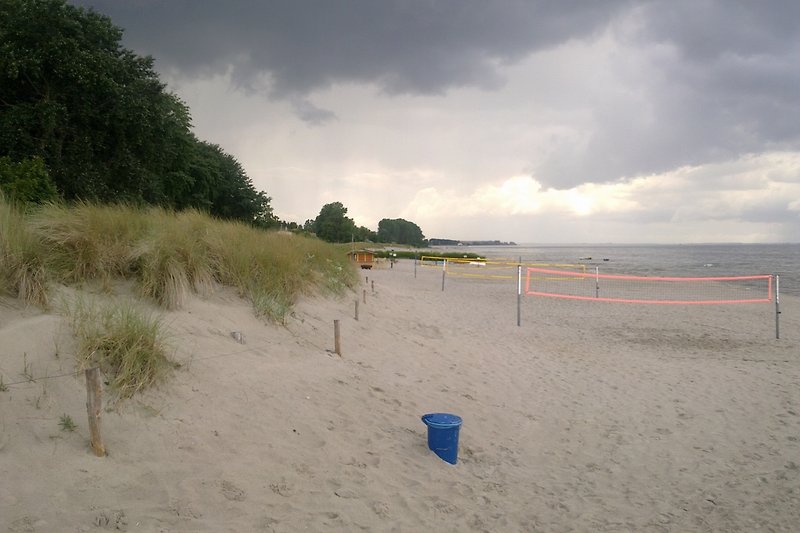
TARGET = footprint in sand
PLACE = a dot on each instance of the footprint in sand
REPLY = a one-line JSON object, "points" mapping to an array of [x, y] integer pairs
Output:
{"points": [[232, 492], [381, 509], [281, 488], [23, 525], [184, 509]]}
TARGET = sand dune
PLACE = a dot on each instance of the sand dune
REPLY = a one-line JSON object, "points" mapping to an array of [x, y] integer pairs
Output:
{"points": [[588, 417]]}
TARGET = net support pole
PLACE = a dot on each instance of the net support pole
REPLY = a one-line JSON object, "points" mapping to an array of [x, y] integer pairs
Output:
{"points": [[777, 306], [415, 266], [444, 271], [519, 290], [597, 282]]}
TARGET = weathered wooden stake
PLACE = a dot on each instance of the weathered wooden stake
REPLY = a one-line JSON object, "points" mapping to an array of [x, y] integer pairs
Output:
{"points": [[94, 406], [373, 287], [365, 295], [337, 345], [356, 309]]}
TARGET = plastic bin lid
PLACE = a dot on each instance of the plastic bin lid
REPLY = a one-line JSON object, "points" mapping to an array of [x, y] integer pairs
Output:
{"points": [[442, 420]]}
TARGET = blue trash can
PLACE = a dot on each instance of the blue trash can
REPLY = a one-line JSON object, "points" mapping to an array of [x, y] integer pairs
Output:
{"points": [[443, 435]]}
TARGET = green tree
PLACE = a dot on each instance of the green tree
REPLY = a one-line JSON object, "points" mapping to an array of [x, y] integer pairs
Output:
{"points": [[26, 181], [216, 182], [101, 120], [400, 231], [332, 225], [95, 112], [363, 234]]}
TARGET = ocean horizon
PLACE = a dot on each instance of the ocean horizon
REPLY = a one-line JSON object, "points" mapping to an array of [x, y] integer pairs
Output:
{"points": [[690, 260]]}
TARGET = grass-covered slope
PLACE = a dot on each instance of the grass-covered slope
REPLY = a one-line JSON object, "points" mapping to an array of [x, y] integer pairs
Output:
{"points": [[168, 254]]}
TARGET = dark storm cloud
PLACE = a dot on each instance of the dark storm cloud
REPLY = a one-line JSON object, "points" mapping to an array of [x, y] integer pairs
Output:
{"points": [[719, 78], [728, 86], [414, 46]]}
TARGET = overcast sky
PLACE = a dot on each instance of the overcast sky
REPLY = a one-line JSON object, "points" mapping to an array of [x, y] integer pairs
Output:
{"points": [[558, 121]]}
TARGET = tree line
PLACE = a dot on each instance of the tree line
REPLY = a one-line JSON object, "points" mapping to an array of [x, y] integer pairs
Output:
{"points": [[333, 225]]}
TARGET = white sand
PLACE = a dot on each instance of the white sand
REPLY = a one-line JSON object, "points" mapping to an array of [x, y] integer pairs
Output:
{"points": [[589, 417]]}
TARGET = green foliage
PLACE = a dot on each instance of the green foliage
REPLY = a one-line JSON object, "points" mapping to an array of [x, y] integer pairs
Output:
{"points": [[365, 235], [332, 225], [169, 255], [101, 121], [66, 423], [26, 181], [400, 231], [22, 257], [95, 112], [125, 342], [217, 183]]}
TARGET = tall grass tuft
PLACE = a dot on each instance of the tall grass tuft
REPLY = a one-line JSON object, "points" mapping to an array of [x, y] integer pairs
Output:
{"points": [[89, 241], [22, 256], [128, 344], [171, 255]]}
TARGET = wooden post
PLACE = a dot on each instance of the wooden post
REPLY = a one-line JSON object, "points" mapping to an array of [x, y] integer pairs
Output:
{"points": [[94, 406], [365, 295], [356, 309], [337, 345], [373, 287]]}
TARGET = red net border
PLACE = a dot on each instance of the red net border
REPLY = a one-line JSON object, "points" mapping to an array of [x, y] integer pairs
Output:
{"points": [[590, 275]]}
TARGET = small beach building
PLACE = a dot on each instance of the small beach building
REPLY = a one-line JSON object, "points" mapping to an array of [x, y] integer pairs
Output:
{"points": [[364, 258]]}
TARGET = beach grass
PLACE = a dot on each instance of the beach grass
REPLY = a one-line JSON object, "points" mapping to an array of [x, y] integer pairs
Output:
{"points": [[22, 270], [168, 256], [126, 342]]}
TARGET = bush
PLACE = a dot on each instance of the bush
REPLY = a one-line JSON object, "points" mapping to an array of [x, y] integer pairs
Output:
{"points": [[26, 181]]}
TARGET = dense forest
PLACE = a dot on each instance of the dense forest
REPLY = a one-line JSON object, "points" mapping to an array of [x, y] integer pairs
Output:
{"points": [[83, 118]]}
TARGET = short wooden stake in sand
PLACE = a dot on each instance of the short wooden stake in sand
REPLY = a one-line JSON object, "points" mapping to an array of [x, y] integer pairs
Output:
{"points": [[356, 309], [373, 287], [365, 295], [94, 406], [337, 344]]}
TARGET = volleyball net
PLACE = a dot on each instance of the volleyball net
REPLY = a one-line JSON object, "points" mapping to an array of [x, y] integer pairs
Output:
{"points": [[557, 283]]}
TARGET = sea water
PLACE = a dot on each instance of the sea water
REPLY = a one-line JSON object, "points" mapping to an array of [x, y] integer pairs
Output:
{"points": [[679, 260]]}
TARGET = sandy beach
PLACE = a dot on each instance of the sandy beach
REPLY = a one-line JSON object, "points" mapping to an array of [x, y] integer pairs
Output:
{"points": [[590, 416]]}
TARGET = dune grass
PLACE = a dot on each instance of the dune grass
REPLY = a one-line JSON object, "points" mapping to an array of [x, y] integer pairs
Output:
{"points": [[126, 342], [169, 256], [22, 271]]}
